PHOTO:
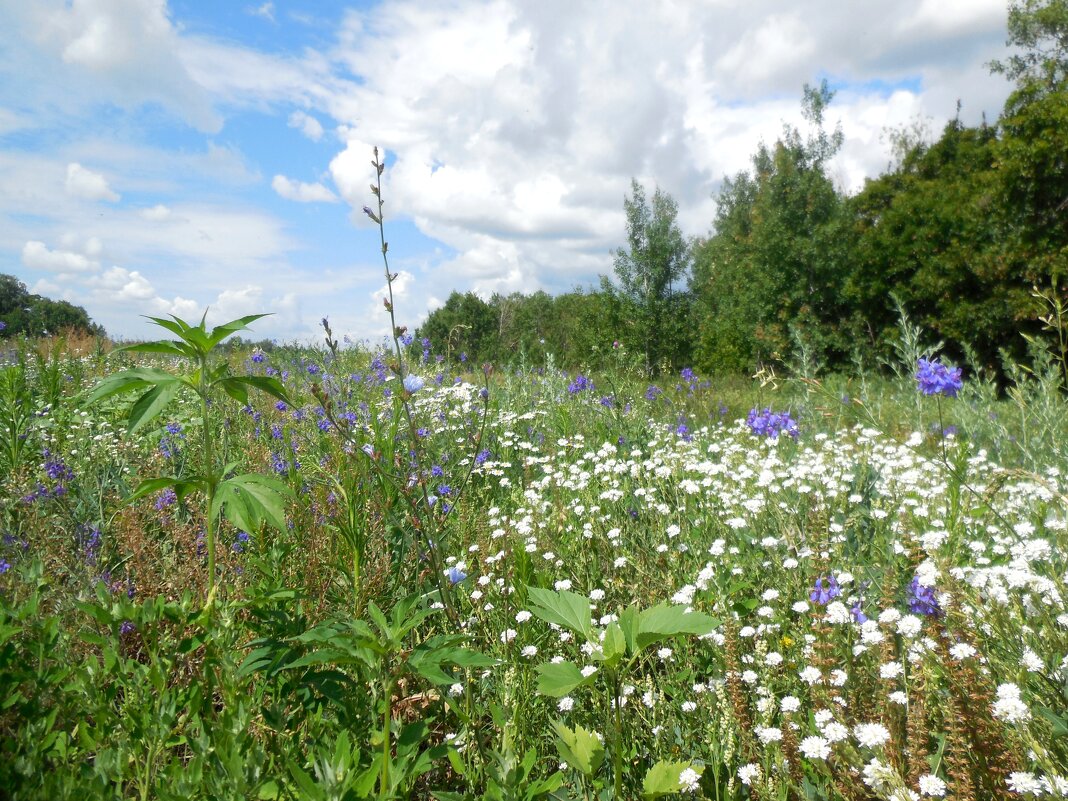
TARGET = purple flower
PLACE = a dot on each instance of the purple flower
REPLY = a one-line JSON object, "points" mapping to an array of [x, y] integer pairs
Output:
{"points": [[823, 595], [922, 600], [858, 613], [4, 564], [258, 356], [767, 423], [580, 384], [935, 378], [165, 499]]}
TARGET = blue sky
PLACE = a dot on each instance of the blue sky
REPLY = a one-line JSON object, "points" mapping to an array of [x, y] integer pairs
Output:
{"points": [[162, 158]]}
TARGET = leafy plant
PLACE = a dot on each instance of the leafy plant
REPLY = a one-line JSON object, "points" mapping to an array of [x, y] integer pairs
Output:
{"points": [[248, 500]]}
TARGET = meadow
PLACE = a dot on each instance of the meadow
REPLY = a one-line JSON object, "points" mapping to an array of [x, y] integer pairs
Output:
{"points": [[360, 572], [345, 573]]}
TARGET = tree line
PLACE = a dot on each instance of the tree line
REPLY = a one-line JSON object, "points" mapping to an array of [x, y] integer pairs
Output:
{"points": [[25, 314], [957, 231]]}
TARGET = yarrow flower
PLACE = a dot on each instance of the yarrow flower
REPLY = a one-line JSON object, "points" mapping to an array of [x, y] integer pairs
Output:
{"points": [[935, 378], [766, 423]]}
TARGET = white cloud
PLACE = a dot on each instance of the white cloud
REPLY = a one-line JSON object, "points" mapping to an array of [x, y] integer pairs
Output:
{"points": [[266, 11], [88, 185], [307, 125], [157, 213], [302, 192], [37, 256]]}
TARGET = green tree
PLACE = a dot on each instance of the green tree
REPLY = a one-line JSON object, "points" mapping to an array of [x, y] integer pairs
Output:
{"points": [[651, 272], [32, 315], [466, 325], [773, 266]]}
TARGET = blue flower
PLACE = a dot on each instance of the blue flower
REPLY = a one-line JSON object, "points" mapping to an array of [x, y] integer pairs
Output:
{"points": [[935, 378], [823, 595], [580, 384], [455, 575], [413, 383], [766, 423], [922, 600]]}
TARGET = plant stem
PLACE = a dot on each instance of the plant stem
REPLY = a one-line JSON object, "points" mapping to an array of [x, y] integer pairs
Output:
{"points": [[387, 719], [210, 480]]}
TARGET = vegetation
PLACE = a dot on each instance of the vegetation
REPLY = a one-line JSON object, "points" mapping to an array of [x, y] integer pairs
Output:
{"points": [[22, 313]]}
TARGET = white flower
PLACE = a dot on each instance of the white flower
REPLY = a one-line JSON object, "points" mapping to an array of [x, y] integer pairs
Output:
{"points": [[876, 774], [811, 675], [891, 670], [747, 773], [800, 607], [689, 780], [768, 734], [1009, 707], [508, 635], [899, 697], [1031, 661], [664, 654], [522, 616], [596, 595], [835, 731], [933, 786], [790, 703], [871, 735], [1023, 782], [688, 706], [961, 651], [456, 689], [889, 616], [588, 671], [838, 677], [774, 659], [564, 584], [909, 626], [529, 651], [815, 748], [566, 704]]}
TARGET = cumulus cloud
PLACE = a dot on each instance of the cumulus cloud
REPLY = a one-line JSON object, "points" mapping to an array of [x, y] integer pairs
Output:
{"points": [[37, 256], [307, 125], [157, 213], [302, 192], [88, 185]]}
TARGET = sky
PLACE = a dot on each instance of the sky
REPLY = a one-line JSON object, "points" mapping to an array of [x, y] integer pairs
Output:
{"points": [[170, 157]]}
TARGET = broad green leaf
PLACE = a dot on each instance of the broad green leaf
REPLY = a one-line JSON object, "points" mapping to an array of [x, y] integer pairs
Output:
{"points": [[664, 621], [195, 336], [232, 503], [272, 386], [629, 621], [579, 748], [161, 346], [234, 389], [128, 381], [614, 645], [150, 404], [257, 497], [149, 486], [557, 679], [663, 778], [221, 332], [567, 609]]}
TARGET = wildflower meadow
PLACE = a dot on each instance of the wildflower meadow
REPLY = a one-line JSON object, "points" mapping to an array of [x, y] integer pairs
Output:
{"points": [[383, 572]]}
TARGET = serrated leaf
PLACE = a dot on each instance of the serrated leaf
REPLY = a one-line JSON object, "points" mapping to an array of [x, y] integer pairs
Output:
{"points": [[567, 609], [150, 404], [579, 748], [248, 499], [128, 381], [664, 621], [557, 679], [221, 332], [663, 779]]}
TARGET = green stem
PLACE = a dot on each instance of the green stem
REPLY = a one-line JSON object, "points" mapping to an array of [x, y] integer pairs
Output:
{"points": [[210, 480], [387, 751], [617, 737]]}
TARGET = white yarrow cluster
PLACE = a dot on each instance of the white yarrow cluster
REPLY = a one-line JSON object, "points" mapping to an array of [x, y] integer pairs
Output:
{"points": [[1009, 707]]}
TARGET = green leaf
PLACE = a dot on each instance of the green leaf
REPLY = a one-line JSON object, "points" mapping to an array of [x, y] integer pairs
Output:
{"points": [[150, 404], [252, 498], [567, 609], [161, 346], [579, 748], [557, 679], [149, 486], [614, 645], [235, 389], [272, 386], [663, 778], [1060, 724], [128, 381], [221, 332], [195, 336], [664, 621]]}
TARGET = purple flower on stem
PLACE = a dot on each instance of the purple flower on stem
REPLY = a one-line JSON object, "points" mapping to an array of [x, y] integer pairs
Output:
{"points": [[922, 600], [823, 595], [935, 378]]}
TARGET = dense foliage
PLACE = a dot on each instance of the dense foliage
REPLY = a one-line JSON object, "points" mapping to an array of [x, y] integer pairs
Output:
{"points": [[960, 231], [32, 315]]}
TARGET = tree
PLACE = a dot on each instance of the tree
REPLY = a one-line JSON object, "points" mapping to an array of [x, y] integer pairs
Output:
{"points": [[465, 325], [772, 269], [32, 315], [652, 271]]}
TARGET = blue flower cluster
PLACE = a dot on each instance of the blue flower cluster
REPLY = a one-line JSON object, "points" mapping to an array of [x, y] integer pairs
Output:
{"points": [[766, 423], [935, 378], [823, 595], [922, 600], [580, 384]]}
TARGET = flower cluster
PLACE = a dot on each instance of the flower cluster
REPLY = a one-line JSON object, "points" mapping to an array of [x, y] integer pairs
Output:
{"points": [[580, 384], [935, 378], [767, 423]]}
